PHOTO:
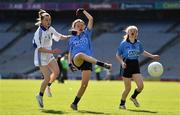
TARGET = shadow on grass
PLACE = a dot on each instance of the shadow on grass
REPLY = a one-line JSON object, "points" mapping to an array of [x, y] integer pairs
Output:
{"points": [[145, 111], [52, 111], [93, 112]]}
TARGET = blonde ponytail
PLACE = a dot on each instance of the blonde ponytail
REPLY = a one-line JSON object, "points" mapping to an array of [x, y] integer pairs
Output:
{"points": [[41, 14]]}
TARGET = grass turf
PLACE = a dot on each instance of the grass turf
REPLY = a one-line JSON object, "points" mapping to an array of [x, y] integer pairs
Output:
{"points": [[101, 97]]}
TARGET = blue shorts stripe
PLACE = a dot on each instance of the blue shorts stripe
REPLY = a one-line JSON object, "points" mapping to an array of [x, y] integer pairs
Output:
{"points": [[39, 58]]}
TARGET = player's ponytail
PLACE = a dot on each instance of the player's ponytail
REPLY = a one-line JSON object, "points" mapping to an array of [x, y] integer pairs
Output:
{"points": [[126, 36], [41, 15]]}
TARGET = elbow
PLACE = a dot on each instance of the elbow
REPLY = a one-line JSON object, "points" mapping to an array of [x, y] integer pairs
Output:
{"points": [[62, 37], [117, 56], [40, 49], [91, 18]]}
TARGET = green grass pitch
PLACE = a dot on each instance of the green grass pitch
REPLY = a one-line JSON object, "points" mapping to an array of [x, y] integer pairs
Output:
{"points": [[101, 97]]}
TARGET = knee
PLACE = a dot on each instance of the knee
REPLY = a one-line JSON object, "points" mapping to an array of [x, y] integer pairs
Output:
{"points": [[46, 79], [140, 88], [84, 86], [56, 72], [128, 89], [80, 55]]}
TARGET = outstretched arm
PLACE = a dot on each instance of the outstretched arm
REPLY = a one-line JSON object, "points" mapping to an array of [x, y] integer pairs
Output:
{"points": [[154, 57], [57, 36], [64, 37]]}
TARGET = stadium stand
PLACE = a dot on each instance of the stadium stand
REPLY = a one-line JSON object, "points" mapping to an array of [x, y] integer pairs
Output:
{"points": [[169, 60], [149, 33], [4, 26], [6, 37], [177, 29], [157, 28], [20, 53]]}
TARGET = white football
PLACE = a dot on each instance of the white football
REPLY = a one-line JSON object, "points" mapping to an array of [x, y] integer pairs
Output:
{"points": [[155, 69]]}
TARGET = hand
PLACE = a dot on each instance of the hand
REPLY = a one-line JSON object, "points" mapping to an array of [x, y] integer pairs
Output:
{"points": [[69, 36], [123, 64], [79, 12], [56, 51], [72, 67], [156, 57]]}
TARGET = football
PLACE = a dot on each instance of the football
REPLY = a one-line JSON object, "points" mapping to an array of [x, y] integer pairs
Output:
{"points": [[155, 69]]}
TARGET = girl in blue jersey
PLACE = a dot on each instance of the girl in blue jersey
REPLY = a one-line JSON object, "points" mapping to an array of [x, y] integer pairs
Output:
{"points": [[80, 56], [127, 55]]}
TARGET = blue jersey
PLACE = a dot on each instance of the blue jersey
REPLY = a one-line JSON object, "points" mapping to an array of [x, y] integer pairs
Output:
{"points": [[81, 43], [130, 50]]}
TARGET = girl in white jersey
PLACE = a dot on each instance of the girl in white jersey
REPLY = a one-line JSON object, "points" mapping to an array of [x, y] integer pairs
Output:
{"points": [[43, 55]]}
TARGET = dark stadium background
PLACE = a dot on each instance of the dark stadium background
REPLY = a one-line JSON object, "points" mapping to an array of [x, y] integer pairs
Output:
{"points": [[158, 22]]}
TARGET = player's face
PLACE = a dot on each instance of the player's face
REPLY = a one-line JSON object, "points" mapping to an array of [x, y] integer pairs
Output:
{"points": [[79, 26], [46, 22], [133, 33]]}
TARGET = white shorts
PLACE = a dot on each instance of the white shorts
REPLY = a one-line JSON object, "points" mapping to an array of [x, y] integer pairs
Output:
{"points": [[42, 59]]}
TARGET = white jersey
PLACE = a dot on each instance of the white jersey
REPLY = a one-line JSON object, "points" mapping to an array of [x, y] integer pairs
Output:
{"points": [[43, 39]]}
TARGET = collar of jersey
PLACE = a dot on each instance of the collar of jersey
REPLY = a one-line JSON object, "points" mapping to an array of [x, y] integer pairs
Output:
{"points": [[130, 41], [43, 28], [79, 34]]}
